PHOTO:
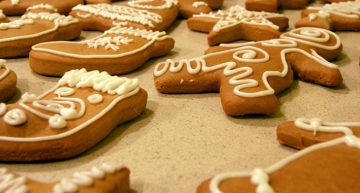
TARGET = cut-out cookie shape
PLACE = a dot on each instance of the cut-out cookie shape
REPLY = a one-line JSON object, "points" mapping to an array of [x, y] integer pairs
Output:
{"points": [[8, 81], [17, 37], [237, 23], [70, 118], [329, 167], [188, 8], [104, 178], [156, 15], [343, 16], [303, 132], [3, 17], [18, 7], [248, 76], [118, 51]]}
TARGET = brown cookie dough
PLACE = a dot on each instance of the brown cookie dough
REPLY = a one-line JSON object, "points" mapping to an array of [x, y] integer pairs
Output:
{"points": [[188, 8], [8, 81], [302, 132], [273, 5], [249, 75], [70, 118], [236, 23]]}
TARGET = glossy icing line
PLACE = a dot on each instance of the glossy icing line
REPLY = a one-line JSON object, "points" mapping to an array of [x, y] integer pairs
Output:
{"points": [[9, 183], [349, 9], [15, 24], [317, 125], [142, 4], [42, 6], [197, 4]]}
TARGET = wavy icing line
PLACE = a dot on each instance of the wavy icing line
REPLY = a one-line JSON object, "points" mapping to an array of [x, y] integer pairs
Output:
{"points": [[118, 12], [317, 125], [149, 35], [350, 9], [197, 4], [238, 14], [249, 54], [139, 4], [99, 81], [262, 176], [42, 6], [9, 183]]}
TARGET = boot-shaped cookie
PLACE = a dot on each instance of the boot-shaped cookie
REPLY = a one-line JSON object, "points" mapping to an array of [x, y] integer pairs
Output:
{"points": [[156, 15], [119, 50], [330, 167], [70, 118], [344, 16], [3, 18], [303, 132], [248, 76], [8, 81], [18, 36], [18, 7], [104, 178], [237, 23], [188, 8]]}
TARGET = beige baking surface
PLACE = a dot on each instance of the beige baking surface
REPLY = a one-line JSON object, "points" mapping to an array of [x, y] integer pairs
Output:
{"points": [[181, 140]]}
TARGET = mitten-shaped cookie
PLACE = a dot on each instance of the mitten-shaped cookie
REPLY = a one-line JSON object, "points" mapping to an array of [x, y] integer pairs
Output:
{"points": [[248, 76], [237, 23], [70, 118]]}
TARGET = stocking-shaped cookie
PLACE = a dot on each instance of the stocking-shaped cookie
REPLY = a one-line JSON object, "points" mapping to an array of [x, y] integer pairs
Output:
{"points": [[188, 8], [118, 51], [70, 118], [156, 15], [237, 23], [18, 7], [18, 36], [248, 76], [105, 178], [335, 16], [3, 17], [330, 167], [303, 132], [8, 81]]}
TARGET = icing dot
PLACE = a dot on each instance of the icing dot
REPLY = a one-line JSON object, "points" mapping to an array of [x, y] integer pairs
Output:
{"points": [[310, 32], [57, 122], [3, 109], [15, 117], [95, 98], [28, 98], [64, 91], [68, 113]]}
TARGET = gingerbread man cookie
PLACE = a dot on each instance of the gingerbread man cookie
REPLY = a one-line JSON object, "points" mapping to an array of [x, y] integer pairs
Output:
{"points": [[18, 7], [303, 132], [8, 81], [17, 37], [156, 15], [188, 8], [343, 16], [249, 75], [237, 23], [105, 178], [70, 118], [118, 51], [329, 167], [3, 17]]}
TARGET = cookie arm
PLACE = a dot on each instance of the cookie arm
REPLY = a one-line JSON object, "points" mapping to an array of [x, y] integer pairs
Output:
{"points": [[202, 24]]}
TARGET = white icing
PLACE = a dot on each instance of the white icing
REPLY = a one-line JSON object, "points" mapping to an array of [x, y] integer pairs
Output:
{"points": [[15, 24], [9, 183], [3, 109], [15, 2], [142, 4], [42, 6], [197, 4], [350, 9], [84, 178], [28, 98], [57, 122], [108, 42], [215, 182], [123, 13], [56, 18], [100, 81], [64, 91], [95, 99], [317, 125], [261, 180], [238, 14], [2, 15], [149, 35], [15, 117]]}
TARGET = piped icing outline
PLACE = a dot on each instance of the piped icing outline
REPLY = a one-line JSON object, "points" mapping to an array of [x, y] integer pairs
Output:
{"points": [[350, 140], [42, 6], [348, 9], [238, 14], [139, 4], [249, 54], [113, 85], [57, 19], [151, 36]]}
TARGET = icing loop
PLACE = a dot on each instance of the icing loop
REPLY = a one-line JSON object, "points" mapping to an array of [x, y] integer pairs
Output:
{"points": [[3, 109], [249, 53], [15, 117], [95, 99], [310, 32], [64, 91], [57, 122], [28, 98], [11, 184]]}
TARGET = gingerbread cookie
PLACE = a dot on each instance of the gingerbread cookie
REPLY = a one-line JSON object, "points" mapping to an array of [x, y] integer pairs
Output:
{"points": [[302, 132], [237, 23], [249, 75], [70, 118], [17, 37], [343, 16], [105, 178], [274, 5], [329, 167], [8, 81], [18, 7], [3, 17], [188, 8], [156, 15], [118, 51], [42, 8]]}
